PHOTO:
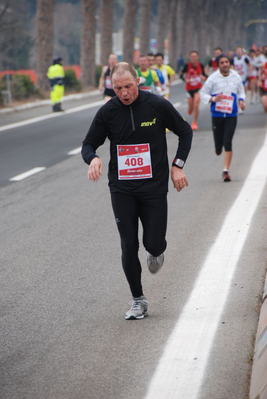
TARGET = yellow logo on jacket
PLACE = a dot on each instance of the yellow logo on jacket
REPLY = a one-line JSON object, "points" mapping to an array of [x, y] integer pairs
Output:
{"points": [[148, 123]]}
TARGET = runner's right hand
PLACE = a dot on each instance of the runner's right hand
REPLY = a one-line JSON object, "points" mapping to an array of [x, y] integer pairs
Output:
{"points": [[95, 169]]}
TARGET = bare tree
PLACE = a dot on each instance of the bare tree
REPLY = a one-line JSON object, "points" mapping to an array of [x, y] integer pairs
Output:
{"points": [[44, 41], [163, 12], [173, 34], [88, 42], [189, 27], [181, 27], [106, 20], [130, 11], [145, 26]]}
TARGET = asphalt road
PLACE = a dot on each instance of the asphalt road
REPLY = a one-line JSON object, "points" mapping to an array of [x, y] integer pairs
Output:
{"points": [[63, 293]]}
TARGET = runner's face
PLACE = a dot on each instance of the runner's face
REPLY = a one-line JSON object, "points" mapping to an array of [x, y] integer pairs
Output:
{"points": [[151, 60], [217, 53], [239, 52], [193, 58], [125, 87], [112, 60], [224, 66], [159, 61], [143, 63]]}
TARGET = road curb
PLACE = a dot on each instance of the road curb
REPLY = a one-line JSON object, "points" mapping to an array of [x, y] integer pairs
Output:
{"points": [[258, 384], [78, 96], [38, 103]]}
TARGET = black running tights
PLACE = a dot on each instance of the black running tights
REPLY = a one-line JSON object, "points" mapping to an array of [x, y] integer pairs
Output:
{"points": [[223, 132], [152, 211]]}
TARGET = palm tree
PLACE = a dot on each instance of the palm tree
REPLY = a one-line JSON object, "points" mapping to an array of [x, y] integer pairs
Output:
{"points": [[88, 42], [145, 26], [44, 41], [130, 11], [106, 20]]}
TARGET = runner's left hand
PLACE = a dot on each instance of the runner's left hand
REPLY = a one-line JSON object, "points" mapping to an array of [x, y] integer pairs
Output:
{"points": [[178, 178]]}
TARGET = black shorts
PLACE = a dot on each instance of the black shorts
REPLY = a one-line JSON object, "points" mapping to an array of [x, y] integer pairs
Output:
{"points": [[223, 132], [109, 93], [263, 92], [192, 92]]}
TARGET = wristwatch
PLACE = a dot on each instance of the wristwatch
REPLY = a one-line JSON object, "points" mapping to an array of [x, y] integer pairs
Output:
{"points": [[178, 162]]}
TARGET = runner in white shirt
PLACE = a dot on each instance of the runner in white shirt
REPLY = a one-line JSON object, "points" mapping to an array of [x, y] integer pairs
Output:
{"points": [[252, 77], [224, 90], [241, 64]]}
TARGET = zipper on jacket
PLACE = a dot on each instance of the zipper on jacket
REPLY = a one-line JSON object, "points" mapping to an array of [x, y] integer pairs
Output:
{"points": [[132, 118]]}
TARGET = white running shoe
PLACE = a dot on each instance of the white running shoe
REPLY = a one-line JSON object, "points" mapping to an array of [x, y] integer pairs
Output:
{"points": [[154, 263], [138, 309]]}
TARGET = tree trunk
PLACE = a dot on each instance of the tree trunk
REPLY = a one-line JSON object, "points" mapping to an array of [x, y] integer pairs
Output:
{"points": [[189, 27], [163, 12], [173, 34], [106, 19], [44, 41], [145, 26], [130, 11], [181, 28], [88, 42]]}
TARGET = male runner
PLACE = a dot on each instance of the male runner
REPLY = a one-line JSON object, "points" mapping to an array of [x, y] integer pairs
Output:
{"points": [[104, 81], [263, 85], [194, 76], [149, 76], [241, 64], [213, 63], [224, 89], [166, 72], [135, 123]]}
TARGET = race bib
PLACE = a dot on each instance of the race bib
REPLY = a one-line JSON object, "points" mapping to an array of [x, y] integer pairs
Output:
{"points": [[108, 83], [225, 105], [195, 81], [134, 162]]}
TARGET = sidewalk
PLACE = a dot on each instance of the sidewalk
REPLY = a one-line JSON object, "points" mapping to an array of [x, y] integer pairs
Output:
{"points": [[39, 103], [78, 96]]}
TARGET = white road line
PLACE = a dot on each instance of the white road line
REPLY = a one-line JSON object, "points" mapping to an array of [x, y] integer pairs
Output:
{"points": [[49, 116], [27, 174], [176, 82], [75, 151], [181, 369], [176, 105]]}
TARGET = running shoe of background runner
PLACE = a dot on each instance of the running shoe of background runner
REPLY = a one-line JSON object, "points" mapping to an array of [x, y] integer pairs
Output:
{"points": [[194, 126], [154, 263], [138, 309], [226, 177]]}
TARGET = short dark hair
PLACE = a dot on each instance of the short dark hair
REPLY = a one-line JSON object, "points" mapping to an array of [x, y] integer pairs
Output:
{"points": [[222, 56], [150, 55], [123, 67], [194, 51], [218, 48], [159, 55]]}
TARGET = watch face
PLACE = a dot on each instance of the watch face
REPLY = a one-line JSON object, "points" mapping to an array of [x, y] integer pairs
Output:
{"points": [[179, 163]]}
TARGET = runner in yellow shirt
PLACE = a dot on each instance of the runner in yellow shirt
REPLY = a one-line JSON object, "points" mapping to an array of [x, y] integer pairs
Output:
{"points": [[149, 80], [166, 74]]}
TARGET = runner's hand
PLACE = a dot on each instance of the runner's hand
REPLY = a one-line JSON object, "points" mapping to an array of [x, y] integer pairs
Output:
{"points": [[178, 178], [218, 97], [242, 105], [95, 169]]}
